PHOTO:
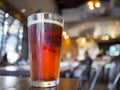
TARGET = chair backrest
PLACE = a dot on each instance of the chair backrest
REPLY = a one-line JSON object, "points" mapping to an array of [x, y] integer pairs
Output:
{"points": [[87, 71], [112, 86], [95, 78], [113, 71], [82, 72], [116, 79]]}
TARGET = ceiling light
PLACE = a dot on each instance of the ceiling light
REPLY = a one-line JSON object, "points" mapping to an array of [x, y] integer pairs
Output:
{"points": [[92, 4], [113, 36], [91, 7], [66, 37], [64, 33], [23, 10], [105, 37], [83, 40]]}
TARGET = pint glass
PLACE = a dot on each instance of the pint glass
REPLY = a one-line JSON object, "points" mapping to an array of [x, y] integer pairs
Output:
{"points": [[45, 37]]}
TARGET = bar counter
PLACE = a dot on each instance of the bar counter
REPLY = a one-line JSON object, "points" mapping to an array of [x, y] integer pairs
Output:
{"points": [[23, 83]]}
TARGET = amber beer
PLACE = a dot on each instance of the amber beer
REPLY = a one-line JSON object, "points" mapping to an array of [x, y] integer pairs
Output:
{"points": [[45, 37]]}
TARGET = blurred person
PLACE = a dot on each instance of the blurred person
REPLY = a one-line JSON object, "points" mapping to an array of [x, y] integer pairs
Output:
{"points": [[100, 55], [106, 57], [88, 60], [84, 68], [87, 63]]}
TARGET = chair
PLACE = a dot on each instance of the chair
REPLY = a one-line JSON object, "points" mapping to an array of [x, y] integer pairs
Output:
{"points": [[83, 72], [114, 74], [112, 86], [95, 78], [85, 76]]}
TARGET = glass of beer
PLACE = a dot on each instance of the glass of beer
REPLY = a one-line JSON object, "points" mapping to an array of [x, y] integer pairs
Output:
{"points": [[45, 38]]}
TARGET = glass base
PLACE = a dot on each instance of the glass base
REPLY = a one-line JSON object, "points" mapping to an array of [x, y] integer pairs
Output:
{"points": [[44, 83]]}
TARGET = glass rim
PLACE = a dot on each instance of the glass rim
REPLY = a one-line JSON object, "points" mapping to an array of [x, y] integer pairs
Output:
{"points": [[31, 17]]}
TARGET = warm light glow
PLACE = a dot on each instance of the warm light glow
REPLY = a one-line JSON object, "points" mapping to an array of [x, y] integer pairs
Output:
{"points": [[64, 33], [66, 37], [91, 7], [95, 36], [97, 4], [106, 37], [92, 4], [23, 10], [83, 40], [113, 36]]}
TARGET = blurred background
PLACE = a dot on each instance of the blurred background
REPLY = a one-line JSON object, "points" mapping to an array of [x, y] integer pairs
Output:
{"points": [[91, 26]]}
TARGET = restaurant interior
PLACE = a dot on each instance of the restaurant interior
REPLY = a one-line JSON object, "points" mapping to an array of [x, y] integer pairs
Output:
{"points": [[91, 26]]}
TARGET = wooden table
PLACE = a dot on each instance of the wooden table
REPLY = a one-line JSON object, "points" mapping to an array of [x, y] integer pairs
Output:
{"points": [[23, 83]]}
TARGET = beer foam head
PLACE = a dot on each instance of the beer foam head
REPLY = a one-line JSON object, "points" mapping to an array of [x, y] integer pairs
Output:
{"points": [[41, 18], [44, 21]]}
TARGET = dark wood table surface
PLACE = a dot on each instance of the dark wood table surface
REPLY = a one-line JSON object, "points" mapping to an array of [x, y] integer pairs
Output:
{"points": [[23, 83]]}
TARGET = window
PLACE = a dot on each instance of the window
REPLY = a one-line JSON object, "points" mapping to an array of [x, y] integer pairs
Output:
{"points": [[114, 50]]}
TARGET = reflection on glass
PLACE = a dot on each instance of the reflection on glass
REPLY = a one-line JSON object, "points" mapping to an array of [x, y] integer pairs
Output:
{"points": [[5, 29], [19, 47], [12, 56], [8, 84], [20, 36], [6, 15], [10, 68], [11, 34], [14, 27], [21, 30]]}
